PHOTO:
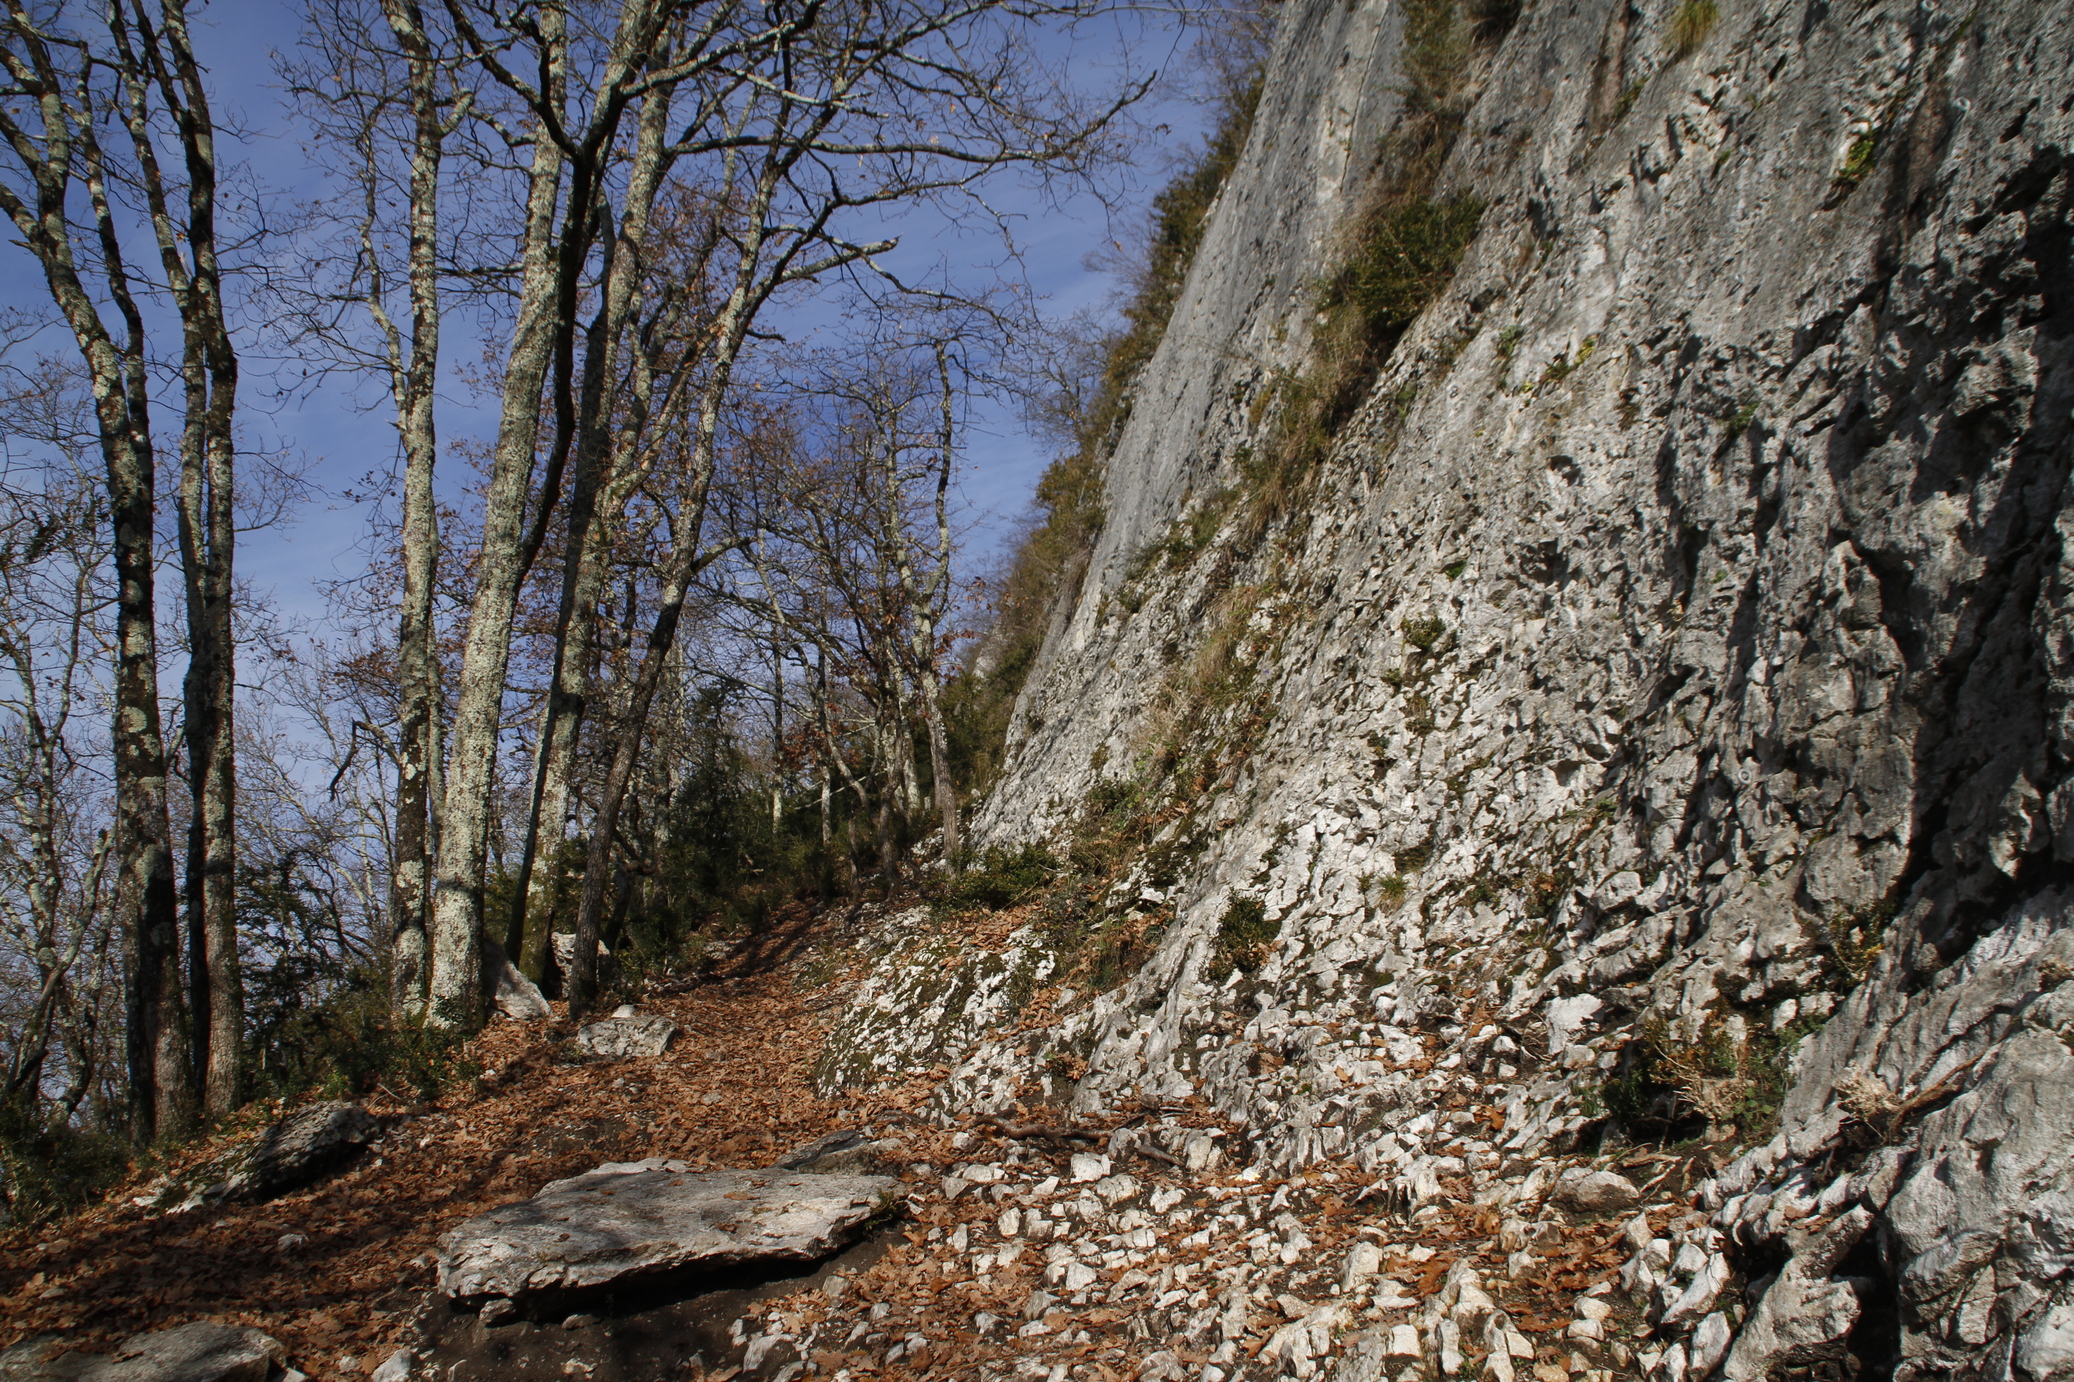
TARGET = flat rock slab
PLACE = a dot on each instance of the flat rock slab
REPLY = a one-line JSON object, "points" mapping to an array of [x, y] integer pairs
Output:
{"points": [[644, 1218], [623, 1038], [203, 1351]]}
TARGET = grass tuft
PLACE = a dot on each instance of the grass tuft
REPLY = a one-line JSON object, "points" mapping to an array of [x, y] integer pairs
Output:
{"points": [[1690, 25]]}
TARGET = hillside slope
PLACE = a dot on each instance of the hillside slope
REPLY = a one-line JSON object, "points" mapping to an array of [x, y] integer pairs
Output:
{"points": [[1649, 721]]}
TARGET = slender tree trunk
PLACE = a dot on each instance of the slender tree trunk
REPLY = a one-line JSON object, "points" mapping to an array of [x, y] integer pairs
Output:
{"points": [[147, 902], [455, 992], [606, 471], [413, 385]]}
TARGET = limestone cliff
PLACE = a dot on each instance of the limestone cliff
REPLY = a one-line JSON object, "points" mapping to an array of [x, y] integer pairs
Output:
{"points": [[1654, 717]]}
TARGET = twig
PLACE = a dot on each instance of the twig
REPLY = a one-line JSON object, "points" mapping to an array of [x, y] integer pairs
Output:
{"points": [[1024, 1131]]}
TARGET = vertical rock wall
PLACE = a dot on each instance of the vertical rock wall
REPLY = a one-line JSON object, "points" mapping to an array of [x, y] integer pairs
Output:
{"points": [[1668, 671]]}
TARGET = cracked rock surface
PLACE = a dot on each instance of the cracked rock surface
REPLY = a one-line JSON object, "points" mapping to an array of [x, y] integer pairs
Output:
{"points": [[629, 1220], [1654, 717]]}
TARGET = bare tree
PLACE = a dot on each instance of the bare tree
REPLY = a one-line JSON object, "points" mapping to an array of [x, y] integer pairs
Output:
{"points": [[140, 74], [381, 92]]}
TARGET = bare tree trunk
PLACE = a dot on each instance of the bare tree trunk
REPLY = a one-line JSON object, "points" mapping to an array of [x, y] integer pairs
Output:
{"points": [[601, 484], [207, 534], [413, 386], [455, 996], [926, 598], [62, 151]]}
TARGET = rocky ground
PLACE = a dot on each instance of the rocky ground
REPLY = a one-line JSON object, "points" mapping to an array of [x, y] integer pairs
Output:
{"points": [[1027, 1246]]}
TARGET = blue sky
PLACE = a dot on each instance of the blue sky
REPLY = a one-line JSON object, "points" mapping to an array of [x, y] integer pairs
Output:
{"points": [[342, 435], [325, 542]]}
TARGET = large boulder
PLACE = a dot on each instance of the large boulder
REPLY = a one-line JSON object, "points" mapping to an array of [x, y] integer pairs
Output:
{"points": [[518, 997], [203, 1351], [294, 1151], [645, 1218], [610, 976], [627, 1034]]}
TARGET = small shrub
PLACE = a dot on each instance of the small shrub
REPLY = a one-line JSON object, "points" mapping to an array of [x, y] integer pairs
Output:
{"points": [[1244, 934], [1404, 260], [1740, 420], [1454, 569], [1544, 890], [1392, 886], [1003, 879], [1424, 632], [1508, 340], [1858, 160], [1491, 20], [1418, 713], [1855, 937], [48, 1167], [1628, 98], [350, 1045], [1690, 25]]}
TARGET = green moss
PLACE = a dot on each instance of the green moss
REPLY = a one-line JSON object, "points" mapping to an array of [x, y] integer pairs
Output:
{"points": [[1454, 569]]}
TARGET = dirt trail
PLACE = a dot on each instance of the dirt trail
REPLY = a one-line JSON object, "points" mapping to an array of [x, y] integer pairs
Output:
{"points": [[1019, 1257]]}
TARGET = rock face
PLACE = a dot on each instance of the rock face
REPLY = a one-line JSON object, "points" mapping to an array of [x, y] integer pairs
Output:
{"points": [[296, 1150], [1656, 712], [203, 1351], [628, 1220]]}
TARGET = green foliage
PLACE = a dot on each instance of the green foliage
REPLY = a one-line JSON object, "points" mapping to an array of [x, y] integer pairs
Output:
{"points": [[1855, 937], [1454, 569], [1544, 890], [1713, 1074], [1403, 262], [1244, 934], [1628, 97], [349, 1044], [1422, 633], [1192, 532], [1690, 24], [1858, 160], [49, 1166], [722, 864], [1001, 879], [1392, 887], [1434, 54], [1508, 340], [1740, 420]]}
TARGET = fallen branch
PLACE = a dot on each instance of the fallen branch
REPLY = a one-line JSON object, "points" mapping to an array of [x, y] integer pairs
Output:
{"points": [[1027, 1131], [1147, 1150]]}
